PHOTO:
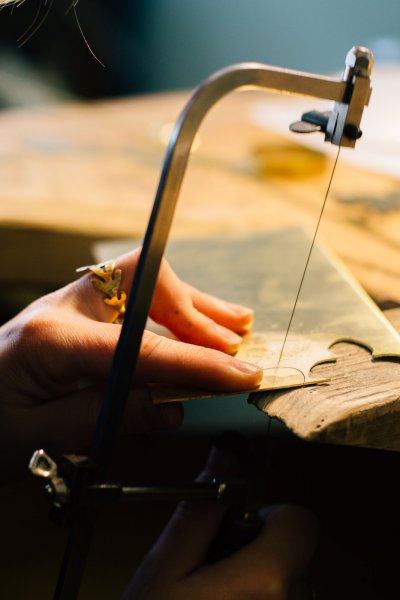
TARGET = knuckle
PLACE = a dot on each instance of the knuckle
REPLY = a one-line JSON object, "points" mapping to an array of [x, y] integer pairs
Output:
{"points": [[152, 344], [35, 331], [28, 341], [39, 332]]}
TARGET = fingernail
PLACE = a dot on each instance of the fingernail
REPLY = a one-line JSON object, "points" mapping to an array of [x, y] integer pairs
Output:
{"points": [[229, 336], [246, 315], [247, 324], [247, 368]]}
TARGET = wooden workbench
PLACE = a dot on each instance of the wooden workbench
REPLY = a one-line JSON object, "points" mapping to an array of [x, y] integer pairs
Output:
{"points": [[359, 407], [73, 174]]}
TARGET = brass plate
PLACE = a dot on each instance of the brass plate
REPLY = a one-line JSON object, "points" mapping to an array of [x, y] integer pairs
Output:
{"points": [[264, 272]]}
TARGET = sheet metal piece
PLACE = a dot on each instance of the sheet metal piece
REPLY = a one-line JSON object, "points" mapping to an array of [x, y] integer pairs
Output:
{"points": [[264, 272]]}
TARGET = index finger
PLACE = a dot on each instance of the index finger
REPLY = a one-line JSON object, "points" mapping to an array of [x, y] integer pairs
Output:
{"points": [[193, 316]]}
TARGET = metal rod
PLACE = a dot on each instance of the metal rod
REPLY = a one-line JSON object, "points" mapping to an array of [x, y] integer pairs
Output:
{"points": [[75, 555], [232, 492]]}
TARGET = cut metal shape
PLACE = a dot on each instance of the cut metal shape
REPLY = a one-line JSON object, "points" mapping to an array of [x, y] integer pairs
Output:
{"points": [[263, 272]]}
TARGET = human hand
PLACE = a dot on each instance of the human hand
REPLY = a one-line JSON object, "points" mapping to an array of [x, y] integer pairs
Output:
{"points": [[272, 567], [63, 339]]}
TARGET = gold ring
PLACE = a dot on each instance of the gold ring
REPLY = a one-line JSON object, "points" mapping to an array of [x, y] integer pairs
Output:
{"points": [[108, 281]]}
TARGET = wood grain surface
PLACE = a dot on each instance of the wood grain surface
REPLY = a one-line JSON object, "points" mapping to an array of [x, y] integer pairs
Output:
{"points": [[359, 407]]}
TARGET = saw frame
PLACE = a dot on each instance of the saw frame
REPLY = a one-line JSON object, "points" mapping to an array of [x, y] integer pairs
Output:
{"points": [[81, 482]]}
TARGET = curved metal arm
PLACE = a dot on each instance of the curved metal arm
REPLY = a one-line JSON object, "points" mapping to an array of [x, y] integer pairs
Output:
{"points": [[350, 94]]}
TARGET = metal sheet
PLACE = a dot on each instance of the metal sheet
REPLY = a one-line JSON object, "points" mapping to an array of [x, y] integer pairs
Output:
{"points": [[264, 272]]}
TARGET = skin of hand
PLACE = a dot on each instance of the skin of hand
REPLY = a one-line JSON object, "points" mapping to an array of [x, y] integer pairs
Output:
{"points": [[275, 566], [64, 339]]}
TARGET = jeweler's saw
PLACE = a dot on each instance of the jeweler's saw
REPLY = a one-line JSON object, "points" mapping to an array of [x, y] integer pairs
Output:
{"points": [[80, 484]]}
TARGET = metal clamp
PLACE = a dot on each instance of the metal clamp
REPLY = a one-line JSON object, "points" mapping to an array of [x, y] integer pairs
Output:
{"points": [[42, 465]]}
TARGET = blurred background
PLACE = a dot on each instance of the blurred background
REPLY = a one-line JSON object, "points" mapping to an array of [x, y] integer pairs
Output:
{"points": [[170, 44]]}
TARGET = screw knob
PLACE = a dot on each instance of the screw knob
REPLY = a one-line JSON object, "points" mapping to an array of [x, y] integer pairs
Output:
{"points": [[42, 465]]}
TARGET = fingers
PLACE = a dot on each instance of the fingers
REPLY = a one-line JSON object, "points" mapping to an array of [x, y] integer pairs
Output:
{"points": [[60, 351], [276, 560], [194, 317], [187, 552], [270, 567], [233, 316], [292, 533], [57, 350], [184, 543], [170, 361], [191, 315]]}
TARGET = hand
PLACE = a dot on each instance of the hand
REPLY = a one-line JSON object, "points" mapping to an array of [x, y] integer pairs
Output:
{"points": [[64, 339], [272, 567]]}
